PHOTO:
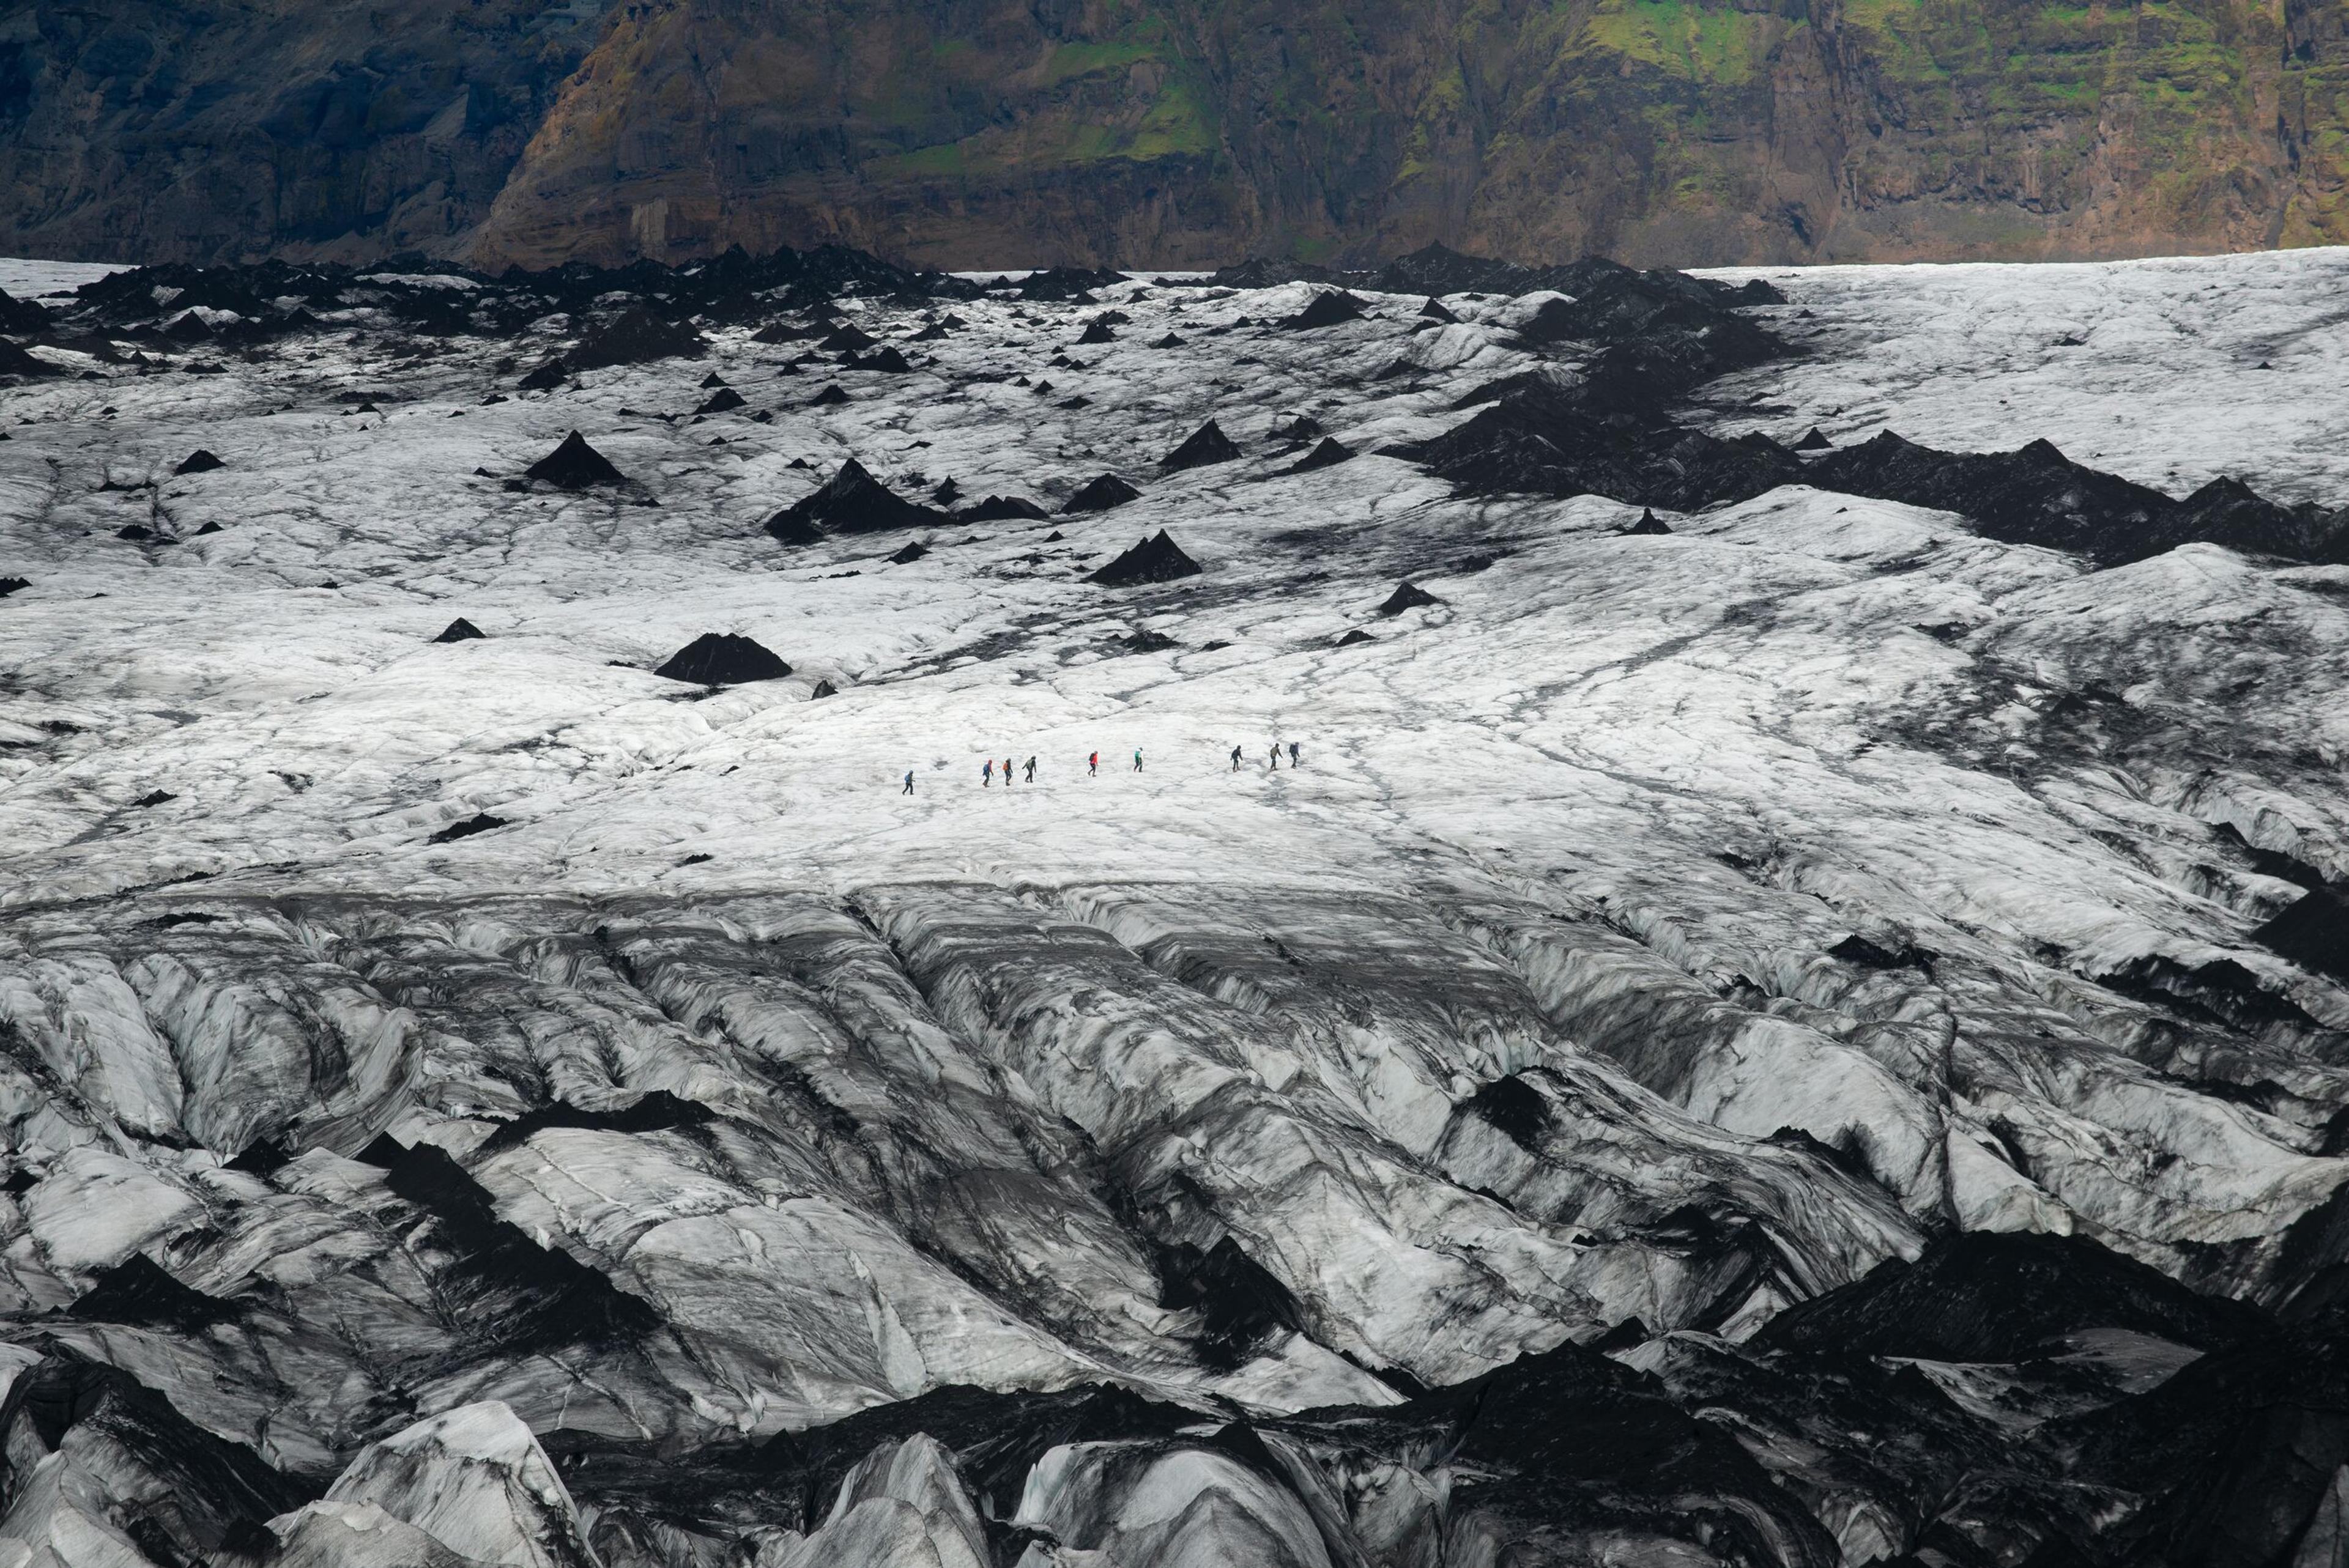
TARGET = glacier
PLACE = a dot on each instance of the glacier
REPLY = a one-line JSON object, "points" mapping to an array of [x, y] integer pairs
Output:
{"points": [[1815, 1031]]}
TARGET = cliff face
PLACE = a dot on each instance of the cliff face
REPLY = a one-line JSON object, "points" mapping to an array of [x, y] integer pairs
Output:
{"points": [[985, 132], [161, 130]]}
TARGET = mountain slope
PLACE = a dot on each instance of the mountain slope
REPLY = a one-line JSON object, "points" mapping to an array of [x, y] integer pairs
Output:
{"points": [[988, 132]]}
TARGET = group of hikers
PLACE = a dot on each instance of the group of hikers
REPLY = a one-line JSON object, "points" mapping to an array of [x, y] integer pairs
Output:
{"points": [[1092, 766]]}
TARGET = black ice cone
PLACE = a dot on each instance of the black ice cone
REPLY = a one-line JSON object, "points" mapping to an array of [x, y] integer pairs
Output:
{"points": [[1207, 444], [1101, 494], [1329, 309], [721, 658], [851, 501], [1329, 453], [1157, 559], [575, 465]]}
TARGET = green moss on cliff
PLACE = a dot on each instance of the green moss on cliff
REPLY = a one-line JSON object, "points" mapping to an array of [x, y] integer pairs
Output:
{"points": [[1685, 38]]}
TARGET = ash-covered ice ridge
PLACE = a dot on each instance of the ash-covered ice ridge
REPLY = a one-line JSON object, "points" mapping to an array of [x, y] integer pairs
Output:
{"points": [[1660, 919]]}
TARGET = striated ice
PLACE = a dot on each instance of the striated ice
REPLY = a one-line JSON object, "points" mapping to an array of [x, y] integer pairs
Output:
{"points": [[475, 1480]]}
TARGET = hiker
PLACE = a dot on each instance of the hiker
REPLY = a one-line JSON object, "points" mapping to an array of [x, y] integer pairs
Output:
{"points": [[1137, 760], [1006, 773], [1275, 756], [1293, 749], [909, 780], [986, 773], [1092, 765], [1235, 758], [1031, 771]]}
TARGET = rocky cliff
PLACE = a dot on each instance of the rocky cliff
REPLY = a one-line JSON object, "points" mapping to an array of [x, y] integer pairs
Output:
{"points": [[986, 132]]}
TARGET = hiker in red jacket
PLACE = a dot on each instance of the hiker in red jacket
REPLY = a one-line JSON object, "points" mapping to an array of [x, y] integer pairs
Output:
{"points": [[1092, 765]]}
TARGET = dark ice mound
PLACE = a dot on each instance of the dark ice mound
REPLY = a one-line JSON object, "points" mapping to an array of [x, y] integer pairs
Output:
{"points": [[1546, 439], [22, 315], [459, 630], [2038, 496], [480, 823], [1859, 950], [546, 377], [998, 508], [1407, 596], [1815, 441], [1355, 636], [1658, 320], [1066, 282], [851, 501], [1329, 453], [1331, 307], [1437, 311], [830, 396], [2227, 511], [11, 584], [1240, 1302], [721, 658], [138, 1291], [1992, 1296], [722, 401], [1649, 524], [575, 465], [198, 462], [492, 1276], [1101, 494], [1157, 559], [1207, 445], [1097, 331], [2313, 933], [849, 339], [888, 361], [911, 553], [14, 361], [636, 336]]}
